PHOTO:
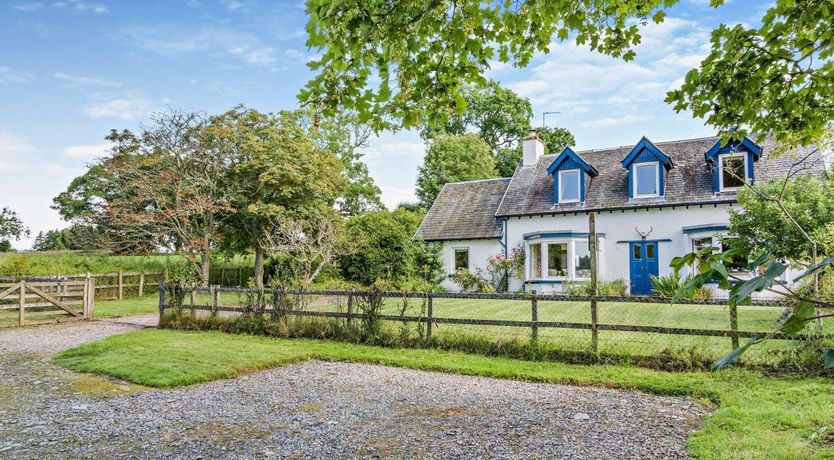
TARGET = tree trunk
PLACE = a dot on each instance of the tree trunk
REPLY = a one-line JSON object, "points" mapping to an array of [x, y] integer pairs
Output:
{"points": [[259, 265], [205, 266]]}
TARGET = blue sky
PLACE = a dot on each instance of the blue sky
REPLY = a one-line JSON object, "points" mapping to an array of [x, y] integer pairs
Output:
{"points": [[71, 70]]}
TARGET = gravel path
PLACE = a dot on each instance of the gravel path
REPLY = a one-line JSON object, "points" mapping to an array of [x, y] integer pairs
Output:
{"points": [[57, 337], [325, 410]]}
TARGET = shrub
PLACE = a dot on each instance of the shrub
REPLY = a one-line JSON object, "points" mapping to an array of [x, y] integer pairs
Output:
{"points": [[472, 282], [616, 287]]}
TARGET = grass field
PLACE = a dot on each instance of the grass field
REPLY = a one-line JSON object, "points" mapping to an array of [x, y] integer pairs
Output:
{"points": [[755, 416], [80, 262]]}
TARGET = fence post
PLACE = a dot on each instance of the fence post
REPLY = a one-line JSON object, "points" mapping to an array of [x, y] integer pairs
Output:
{"points": [[429, 314], [213, 292], [91, 298], [161, 296], [141, 283], [592, 246], [734, 324], [534, 317], [121, 285], [21, 318], [239, 276], [350, 308]]}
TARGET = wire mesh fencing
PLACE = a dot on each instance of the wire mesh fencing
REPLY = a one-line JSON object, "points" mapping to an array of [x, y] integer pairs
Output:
{"points": [[639, 328]]}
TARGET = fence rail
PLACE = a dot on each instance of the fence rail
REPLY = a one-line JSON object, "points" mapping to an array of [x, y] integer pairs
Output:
{"points": [[598, 317], [47, 301]]}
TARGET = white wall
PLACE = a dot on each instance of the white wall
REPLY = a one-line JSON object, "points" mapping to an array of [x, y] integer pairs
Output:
{"points": [[479, 253], [665, 224]]}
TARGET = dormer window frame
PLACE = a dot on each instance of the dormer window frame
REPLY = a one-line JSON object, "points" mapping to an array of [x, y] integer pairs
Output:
{"points": [[739, 154], [635, 181], [579, 181]]}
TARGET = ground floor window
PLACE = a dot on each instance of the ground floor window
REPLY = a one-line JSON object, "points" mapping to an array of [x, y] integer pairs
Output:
{"points": [[535, 261], [561, 259], [461, 259]]}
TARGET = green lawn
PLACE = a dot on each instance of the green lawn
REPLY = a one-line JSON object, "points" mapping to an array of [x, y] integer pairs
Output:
{"points": [[126, 307], [756, 416]]}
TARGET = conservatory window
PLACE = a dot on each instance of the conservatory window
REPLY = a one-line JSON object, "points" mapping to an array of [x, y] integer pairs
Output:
{"points": [[557, 260], [582, 259], [535, 261]]}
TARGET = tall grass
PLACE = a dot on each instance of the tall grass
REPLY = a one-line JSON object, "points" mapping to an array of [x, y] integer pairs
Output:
{"points": [[80, 262]]}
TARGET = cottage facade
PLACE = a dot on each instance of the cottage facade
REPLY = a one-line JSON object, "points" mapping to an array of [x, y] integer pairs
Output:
{"points": [[654, 202]]}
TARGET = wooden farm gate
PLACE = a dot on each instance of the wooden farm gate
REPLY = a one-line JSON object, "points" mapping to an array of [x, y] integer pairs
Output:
{"points": [[25, 303]]}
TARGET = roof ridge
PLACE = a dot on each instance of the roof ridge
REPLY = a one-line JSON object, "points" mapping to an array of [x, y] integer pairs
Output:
{"points": [[677, 141], [477, 180]]}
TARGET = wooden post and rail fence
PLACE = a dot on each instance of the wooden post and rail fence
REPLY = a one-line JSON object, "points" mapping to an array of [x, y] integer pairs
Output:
{"points": [[208, 300], [25, 303]]}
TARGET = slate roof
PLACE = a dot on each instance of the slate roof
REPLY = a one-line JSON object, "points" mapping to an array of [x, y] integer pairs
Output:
{"points": [[465, 210], [472, 210], [690, 182]]}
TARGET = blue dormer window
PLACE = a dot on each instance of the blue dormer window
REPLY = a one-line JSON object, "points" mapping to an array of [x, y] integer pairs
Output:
{"points": [[569, 171], [646, 179], [569, 182], [732, 164]]}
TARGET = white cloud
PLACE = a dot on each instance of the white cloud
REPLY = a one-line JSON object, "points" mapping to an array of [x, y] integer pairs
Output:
{"points": [[76, 81], [615, 121], [126, 108], [242, 46], [13, 148], [391, 147], [27, 7], [235, 5], [83, 7], [87, 151], [8, 75]]}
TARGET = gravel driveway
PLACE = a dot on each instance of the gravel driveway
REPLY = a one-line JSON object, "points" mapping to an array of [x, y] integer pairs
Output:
{"points": [[334, 410]]}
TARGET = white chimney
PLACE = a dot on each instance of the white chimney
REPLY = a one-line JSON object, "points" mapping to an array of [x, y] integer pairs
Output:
{"points": [[532, 149]]}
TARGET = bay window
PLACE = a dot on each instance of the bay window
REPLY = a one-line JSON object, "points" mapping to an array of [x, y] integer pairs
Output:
{"points": [[559, 259]]}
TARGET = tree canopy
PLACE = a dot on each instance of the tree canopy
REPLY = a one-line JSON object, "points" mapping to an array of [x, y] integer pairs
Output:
{"points": [[760, 227], [501, 118], [453, 159], [777, 77], [11, 227], [426, 53]]}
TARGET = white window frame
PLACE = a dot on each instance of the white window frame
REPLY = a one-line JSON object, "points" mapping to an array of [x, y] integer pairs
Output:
{"points": [[455, 250], [721, 159], [656, 166], [545, 256], [578, 185]]}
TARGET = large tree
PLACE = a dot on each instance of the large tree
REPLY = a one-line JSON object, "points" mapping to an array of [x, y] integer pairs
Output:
{"points": [[425, 54], [776, 77], [163, 186], [276, 171], [760, 227], [453, 159], [85, 200], [345, 136], [11, 227]]}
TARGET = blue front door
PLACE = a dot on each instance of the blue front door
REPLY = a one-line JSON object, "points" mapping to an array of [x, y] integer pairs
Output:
{"points": [[643, 263]]}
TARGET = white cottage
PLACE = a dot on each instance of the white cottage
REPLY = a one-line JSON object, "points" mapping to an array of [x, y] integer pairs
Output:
{"points": [[653, 202]]}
